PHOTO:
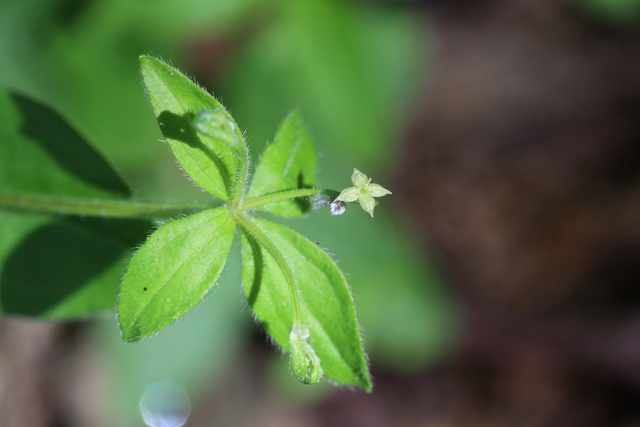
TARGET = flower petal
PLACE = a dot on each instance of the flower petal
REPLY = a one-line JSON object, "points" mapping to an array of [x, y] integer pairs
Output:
{"points": [[359, 179], [350, 194], [377, 190], [368, 203]]}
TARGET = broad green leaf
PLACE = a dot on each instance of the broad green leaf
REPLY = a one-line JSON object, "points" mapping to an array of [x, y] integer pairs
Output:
{"points": [[63, 267], [211, 162], [173, 271], [421, 323], [41, 153], [195, 352], [51, 266], [289, 162], [326, 302]]}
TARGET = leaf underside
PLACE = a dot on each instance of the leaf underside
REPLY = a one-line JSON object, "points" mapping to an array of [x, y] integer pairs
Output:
{"points": [[327, 305], [173, 271]]}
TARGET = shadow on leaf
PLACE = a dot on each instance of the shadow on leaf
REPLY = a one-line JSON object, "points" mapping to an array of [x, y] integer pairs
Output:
{"points": [[176, 127], [43, 126], [59, 259], [258, 265]]}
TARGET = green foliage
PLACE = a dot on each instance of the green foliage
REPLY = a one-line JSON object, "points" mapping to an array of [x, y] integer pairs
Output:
{"points": [[52, 266], [173, 271], [294, 288], [290, 283], [289, 162], [209, 160], [326, 305], [352, 69], [355, 71]]}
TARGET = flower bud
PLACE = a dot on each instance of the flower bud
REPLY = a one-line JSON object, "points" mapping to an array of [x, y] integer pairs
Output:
{"points": [[305, 364], [337, 207]]}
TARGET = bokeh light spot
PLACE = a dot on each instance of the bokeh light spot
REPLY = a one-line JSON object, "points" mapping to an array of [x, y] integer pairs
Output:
{"points": [[165, 404]]}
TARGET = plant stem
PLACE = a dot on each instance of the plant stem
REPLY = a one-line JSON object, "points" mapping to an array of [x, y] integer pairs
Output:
{"points": [[241, 175], [64, 205], [256, 232], [285, 195]]}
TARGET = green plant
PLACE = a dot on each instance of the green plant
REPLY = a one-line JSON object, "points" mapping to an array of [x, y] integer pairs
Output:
{"points": [[294, 288]]}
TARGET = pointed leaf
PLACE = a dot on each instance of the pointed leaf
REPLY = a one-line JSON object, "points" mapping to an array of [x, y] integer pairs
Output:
{"points": [[210, 160], [51, 266], [173, 271], [287, 163], [326, 302]]}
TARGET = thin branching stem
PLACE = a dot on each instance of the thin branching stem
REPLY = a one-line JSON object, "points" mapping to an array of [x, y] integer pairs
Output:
{"points": [[285, 195], [107, 208], [256, 232]]}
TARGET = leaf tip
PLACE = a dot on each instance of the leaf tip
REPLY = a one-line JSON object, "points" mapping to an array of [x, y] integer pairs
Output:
{"points": [[129, 329], [129, 335], [145, 60]]}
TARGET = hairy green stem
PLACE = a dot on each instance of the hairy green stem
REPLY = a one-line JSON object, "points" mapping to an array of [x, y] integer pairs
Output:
{"points": [[63, 205], [285, 195], [256, 232], [241, 175]]}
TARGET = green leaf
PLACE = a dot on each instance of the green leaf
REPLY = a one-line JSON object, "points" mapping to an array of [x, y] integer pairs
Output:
{"points": [[41, 153], [63, 267], [211, 162], [288, 163], [52, 266], [421, 323], [173, 271], [326, 302], [194, 352]]}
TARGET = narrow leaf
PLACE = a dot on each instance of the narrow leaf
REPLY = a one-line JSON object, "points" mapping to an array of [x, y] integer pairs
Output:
{"points": [[173, 271], [208, 158], [327, 305], [289, 162]]}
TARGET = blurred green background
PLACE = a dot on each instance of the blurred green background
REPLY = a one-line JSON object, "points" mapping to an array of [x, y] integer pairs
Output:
{"points": [[354, 70]]}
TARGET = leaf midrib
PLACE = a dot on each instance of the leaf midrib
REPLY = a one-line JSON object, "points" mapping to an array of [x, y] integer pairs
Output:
{"points": [[313, 316], [180, 267]]}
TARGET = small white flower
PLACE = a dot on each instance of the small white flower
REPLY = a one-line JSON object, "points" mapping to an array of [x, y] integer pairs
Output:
{"points": [[363, 191]]}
